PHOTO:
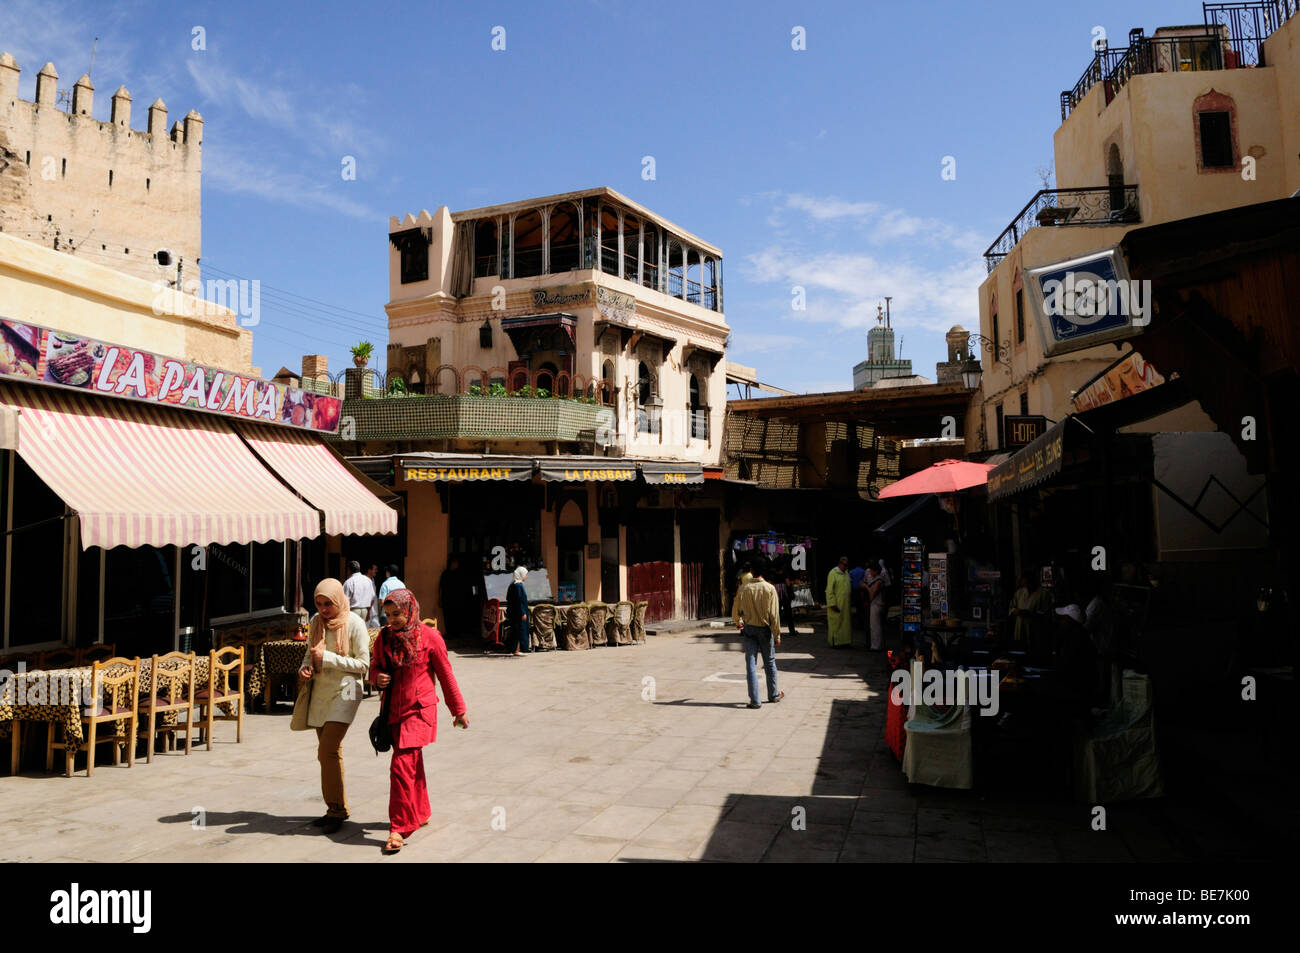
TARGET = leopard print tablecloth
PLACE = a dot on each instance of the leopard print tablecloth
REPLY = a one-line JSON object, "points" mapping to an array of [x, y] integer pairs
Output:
{"points": [[66, 710], [275, 659]]}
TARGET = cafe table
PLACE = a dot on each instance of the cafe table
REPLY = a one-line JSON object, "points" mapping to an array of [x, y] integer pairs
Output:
{"points": [[59, 693], [274, 660]]}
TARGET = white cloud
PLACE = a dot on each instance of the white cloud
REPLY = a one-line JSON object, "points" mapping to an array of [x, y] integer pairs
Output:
{"points": [[231, 172]]}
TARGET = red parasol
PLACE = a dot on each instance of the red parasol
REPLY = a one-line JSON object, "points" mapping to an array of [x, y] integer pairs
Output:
{"points": [[946, 476]]}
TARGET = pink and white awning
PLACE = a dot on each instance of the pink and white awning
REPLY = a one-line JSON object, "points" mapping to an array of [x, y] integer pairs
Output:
{"points": [[146, 476]]}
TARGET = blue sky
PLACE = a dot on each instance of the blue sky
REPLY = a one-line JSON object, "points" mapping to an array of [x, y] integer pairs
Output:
{"points": [[819, 167]]}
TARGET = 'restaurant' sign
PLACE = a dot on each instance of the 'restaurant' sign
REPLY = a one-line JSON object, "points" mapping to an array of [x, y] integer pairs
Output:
{"points": [[1019, 430], [1029, 465], [29, 352], [469, 472]]}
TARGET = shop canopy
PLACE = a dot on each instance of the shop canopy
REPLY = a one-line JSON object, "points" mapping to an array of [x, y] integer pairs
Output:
{"points": [[657, 473], [463, 468], [145, 476], [323, 479], [1030, 465], [587, 469]]}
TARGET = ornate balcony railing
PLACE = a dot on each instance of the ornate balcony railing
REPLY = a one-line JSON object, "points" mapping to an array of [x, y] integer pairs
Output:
{"points": [[1096, 205], [1233, 39]]}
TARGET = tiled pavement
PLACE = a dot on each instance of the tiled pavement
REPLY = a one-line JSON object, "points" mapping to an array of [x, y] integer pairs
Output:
{"points": [[636, 753]]}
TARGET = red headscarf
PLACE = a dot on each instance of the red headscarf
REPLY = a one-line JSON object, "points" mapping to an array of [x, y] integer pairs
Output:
{"points": [[403, 644]]}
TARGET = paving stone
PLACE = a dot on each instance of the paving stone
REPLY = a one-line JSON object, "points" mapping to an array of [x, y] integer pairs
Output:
{"points": [[876, 849]]}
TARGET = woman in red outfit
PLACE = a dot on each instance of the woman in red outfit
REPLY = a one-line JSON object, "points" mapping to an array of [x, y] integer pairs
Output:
{"points": [[407, 657]]}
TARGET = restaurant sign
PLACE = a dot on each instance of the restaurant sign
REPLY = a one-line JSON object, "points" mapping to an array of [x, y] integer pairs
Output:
{"points": [[615, 305], [1019, 430], [1129, 376], [569, 294], [611, 472], [39, 355], [656, 474], [468, 472], [1089, 300], [1029, 465]]}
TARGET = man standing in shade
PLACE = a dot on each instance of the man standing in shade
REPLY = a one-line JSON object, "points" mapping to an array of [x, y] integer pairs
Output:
{"points": [[390, 583], [839, 633], [756, 614], [360, 591]]}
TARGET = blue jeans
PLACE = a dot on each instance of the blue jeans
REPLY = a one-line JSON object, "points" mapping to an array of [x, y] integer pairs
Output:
{"points": [[759, 642]]}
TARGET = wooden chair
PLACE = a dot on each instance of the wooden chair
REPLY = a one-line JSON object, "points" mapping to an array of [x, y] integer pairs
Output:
{"points": [[57, 658], [171, 689], [225, 686], [621, 616], [232, 638], [638, 622], [597, 616], [96, 653], [576, 617], [115, 697], [542, 619]]}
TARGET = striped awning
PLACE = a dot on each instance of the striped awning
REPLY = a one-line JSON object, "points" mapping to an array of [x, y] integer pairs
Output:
{"points": [[147, 476], [323, 479]]}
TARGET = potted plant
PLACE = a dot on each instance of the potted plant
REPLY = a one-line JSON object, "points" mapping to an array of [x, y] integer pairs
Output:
{"points": [[361, 353]]}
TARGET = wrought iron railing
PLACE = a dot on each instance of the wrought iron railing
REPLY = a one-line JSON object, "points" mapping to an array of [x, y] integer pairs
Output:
{"points": [[1096, 205], [1233, 38]]}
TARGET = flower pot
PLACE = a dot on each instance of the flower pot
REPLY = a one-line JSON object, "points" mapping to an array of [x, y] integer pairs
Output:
{"points": [[360, 360]]}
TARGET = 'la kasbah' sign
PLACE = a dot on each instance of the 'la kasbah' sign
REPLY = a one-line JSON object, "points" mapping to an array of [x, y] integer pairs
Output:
{"points": [[583, 476]]}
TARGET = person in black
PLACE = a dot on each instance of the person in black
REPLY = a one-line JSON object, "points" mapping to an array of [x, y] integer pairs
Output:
{"points": [[517, 614]]}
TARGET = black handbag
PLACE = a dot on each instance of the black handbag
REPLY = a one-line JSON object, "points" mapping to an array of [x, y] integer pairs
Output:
{"points": [[381, 734]]}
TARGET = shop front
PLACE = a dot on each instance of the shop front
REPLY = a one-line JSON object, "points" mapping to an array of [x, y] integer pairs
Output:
{"points": [[147, 500], [586, 528]]}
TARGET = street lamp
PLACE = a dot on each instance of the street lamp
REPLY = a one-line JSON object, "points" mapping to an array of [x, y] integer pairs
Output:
{"points": [[1001, 352], [971, 372]]}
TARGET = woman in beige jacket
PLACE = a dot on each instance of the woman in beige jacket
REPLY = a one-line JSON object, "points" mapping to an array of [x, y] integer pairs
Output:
{"points": [[338, 655]]}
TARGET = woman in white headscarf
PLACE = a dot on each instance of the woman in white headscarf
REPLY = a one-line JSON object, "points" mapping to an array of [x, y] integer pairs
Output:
{"points": [[517, 614]]}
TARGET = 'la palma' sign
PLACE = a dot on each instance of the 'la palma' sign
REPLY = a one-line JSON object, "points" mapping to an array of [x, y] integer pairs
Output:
{"points": [[39, 355]]}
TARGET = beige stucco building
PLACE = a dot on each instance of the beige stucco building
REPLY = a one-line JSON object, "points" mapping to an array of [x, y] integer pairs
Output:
{"points": [[69, 293], [1187, 121], [584, 293], [100, 191]]}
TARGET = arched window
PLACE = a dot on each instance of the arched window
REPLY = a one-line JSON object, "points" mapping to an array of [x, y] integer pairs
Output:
{"points": [[694, 292], [445, 380], [546, 378], [486, 262], [528, 245], [475, 381], [606, 390], [709, 297], [518, 379], [609, 240], [650, 257], [676, 268], [590, 224], [1215, 117], [631, 246], [564, 238]]}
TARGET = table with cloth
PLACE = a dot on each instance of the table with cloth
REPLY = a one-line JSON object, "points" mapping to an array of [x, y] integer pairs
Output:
{"points": [[61, 703], [275, 660]]}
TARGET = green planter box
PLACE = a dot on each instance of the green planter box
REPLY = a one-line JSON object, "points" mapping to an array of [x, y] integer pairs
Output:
{"points": [[448, 416]]}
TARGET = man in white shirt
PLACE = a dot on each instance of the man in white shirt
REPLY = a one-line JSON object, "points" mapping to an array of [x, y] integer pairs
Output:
{"points": [[360, 591], [390, 583]]}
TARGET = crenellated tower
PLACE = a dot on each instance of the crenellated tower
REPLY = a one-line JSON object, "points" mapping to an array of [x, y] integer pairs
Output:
{"points": [[99, 189]]}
